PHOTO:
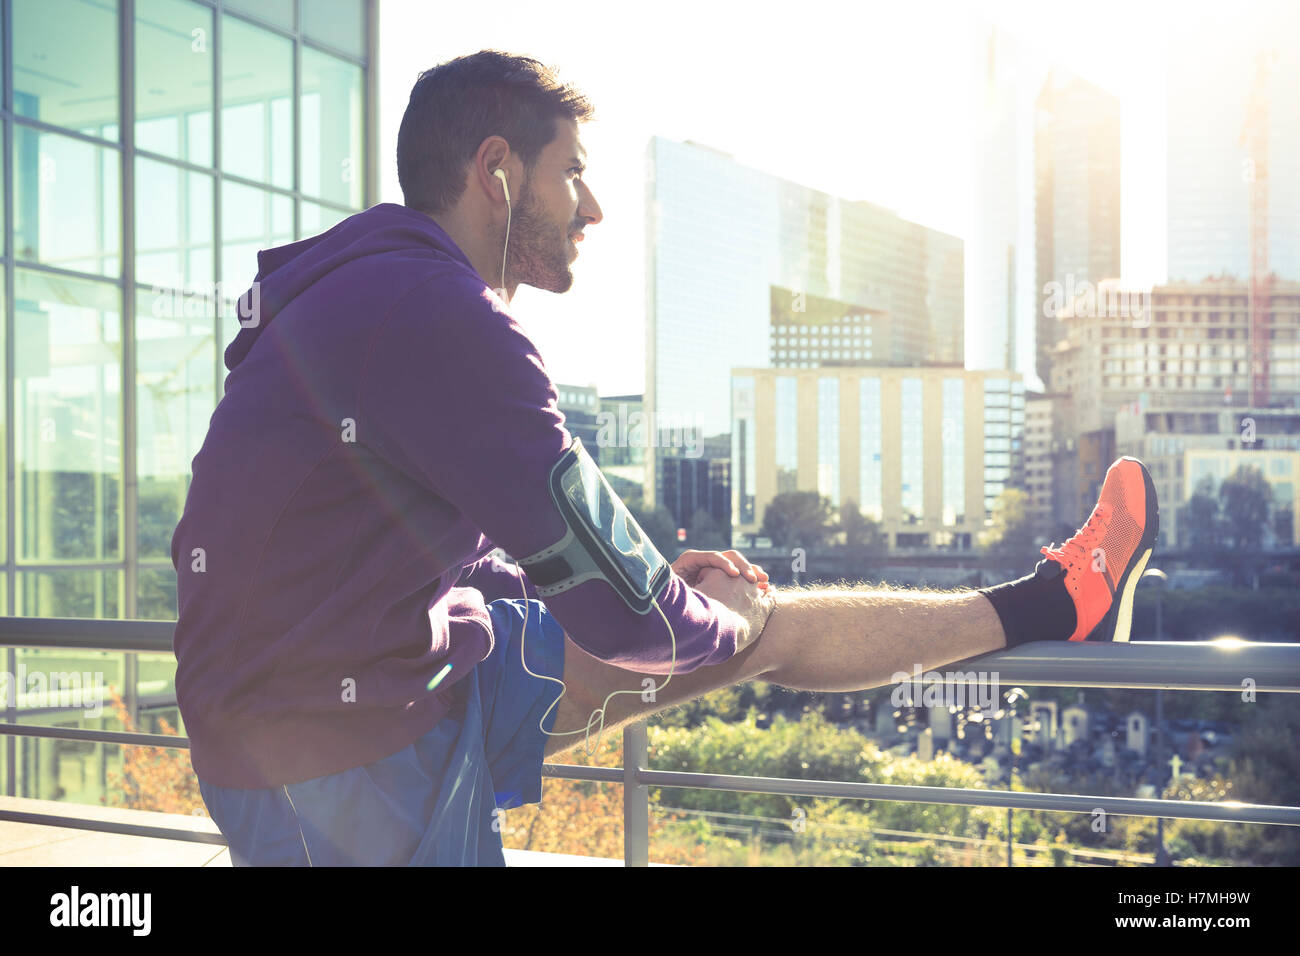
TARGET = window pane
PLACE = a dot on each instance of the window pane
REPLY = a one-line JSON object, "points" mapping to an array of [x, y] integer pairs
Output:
{"points": [[175, 395], [332, 157], [337, 23], [62, 75], [913, 465], [256, 103], [67, 418], [828, 438], [71, 594], [4, 537], [279, 12], [315, 219], [66, 688], [173, 226], [251, 219], [67, 199], [173, 79], [787, 434], [156, 601]]}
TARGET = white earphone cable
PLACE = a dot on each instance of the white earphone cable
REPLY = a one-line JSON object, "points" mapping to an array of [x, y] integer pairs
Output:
{"points": [[600, 711]]}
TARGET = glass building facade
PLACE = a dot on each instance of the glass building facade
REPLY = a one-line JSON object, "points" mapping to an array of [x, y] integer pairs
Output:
{"points": [[744, 456], [1004, 426], [912, 459], [787, 434], [151, 148], [828, 439], [870, 478], [954, 451], [1213, 75]]}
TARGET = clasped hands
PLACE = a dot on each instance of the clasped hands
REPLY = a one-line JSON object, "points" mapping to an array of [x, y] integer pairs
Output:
{"points": [[727, 577]]}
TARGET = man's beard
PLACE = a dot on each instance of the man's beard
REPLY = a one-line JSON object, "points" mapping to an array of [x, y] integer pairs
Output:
{"points": [[538, 250]]}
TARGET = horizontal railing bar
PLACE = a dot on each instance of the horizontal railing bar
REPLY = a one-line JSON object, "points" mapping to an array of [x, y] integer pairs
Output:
{"points": [[571, 771], [1137, 665], [107, 826], [1020, 800], [97, 736], [1143, 665], [87, 634], [1121, 806], [955, 796]]}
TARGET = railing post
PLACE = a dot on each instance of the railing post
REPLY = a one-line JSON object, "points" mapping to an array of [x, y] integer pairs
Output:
{"points": [[636, 798], [11, 717]]}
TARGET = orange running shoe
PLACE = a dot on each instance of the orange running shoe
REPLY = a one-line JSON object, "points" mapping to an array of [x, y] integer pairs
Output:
{"points": [[1105, 558]]}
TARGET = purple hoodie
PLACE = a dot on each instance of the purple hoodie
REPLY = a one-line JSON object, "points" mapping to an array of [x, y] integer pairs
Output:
{"points": [[386, 424]]}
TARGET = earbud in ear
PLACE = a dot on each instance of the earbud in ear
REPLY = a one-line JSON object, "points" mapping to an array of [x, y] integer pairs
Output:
{"points": [[505, 186]]}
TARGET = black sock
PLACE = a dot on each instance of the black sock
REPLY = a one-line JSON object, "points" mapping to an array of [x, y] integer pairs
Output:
{"points": [[1036, 607]]}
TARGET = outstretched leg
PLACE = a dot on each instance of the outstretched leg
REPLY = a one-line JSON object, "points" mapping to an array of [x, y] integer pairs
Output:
{"points": [[858, 638], [853, 638]]}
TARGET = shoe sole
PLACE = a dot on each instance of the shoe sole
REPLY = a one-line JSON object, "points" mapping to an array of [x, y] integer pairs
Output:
{"points": [[1118, 621]]}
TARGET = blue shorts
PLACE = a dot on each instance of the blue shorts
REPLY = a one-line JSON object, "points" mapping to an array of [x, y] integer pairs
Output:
{"points": [[433, 803]]}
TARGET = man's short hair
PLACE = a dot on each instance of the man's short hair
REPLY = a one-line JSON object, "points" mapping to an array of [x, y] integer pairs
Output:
{"points": [[458, 104]]}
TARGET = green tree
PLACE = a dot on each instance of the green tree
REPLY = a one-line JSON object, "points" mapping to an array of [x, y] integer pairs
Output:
{"points": [[1010, 533], [705, 534], [1284, 526], [1245, 497], [862, 535], [630, 492], [1201, 521], [659, 527], [798, 519]]}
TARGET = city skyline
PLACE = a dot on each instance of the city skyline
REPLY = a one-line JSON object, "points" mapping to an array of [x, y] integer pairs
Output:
{"points": [[763, 119]]}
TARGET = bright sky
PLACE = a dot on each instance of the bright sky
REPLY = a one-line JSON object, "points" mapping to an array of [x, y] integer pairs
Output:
{"points": [[868, 100]]}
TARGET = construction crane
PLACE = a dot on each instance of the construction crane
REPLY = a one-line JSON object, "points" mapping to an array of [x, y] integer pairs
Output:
{"points": [[1254, 138]]}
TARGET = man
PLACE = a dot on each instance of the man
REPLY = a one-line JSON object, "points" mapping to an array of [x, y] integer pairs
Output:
{"points": [[362, 682]]}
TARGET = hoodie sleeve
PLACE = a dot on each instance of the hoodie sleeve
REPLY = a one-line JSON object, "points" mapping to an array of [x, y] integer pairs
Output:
{"points": [[454, 394], [494, 579]]}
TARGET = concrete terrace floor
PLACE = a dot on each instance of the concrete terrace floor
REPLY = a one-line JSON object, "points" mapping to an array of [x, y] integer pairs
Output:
{"points": [[33, 844]]}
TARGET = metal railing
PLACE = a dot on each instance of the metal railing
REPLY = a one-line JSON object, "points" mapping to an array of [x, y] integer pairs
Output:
{"points": [[1214, 666]]}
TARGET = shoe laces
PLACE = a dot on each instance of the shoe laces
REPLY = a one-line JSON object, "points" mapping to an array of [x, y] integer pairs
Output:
{"points": [[1079, 547]]}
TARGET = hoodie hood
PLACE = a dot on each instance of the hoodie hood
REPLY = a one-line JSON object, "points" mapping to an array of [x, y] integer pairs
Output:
{"points": [[285, 272]]}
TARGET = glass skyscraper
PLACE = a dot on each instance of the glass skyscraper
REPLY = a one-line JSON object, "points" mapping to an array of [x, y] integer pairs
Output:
{"points": [[151, 148], [1000, 296], [1076, 197], [746, 269], [1212, 72]]}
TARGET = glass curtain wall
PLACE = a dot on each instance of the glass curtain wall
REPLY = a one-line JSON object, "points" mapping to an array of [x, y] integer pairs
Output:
{"points": [[151, 148]]}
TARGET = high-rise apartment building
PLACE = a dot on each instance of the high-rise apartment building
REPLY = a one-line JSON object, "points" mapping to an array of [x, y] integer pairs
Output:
{"points": [[1181, 345]]}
